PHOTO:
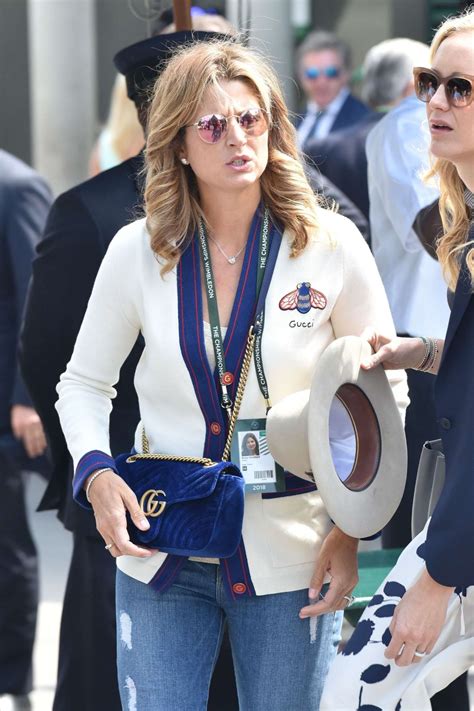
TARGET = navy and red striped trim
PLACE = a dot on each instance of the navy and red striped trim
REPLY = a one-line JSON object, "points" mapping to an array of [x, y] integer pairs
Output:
{"points": [[192, 343], [166, 574], [193, 349], [89, 463], [236, 575], [293, 485]]}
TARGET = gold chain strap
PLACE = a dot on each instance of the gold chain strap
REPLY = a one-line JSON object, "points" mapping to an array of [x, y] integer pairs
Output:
{"points": [[244, 374], [146, 454], [172, 458]]}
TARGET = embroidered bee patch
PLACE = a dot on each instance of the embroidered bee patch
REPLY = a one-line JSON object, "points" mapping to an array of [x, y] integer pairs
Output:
{"points": [[303, 299]]}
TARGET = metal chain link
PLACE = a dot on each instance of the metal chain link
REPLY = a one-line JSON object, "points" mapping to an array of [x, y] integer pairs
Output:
{"points": [[244, 373], [172, 458]]}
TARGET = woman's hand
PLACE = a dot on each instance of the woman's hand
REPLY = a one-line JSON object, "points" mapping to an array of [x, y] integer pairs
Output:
{"points": [[111, 498], [393, 353], [338, 557], [418, 620]]}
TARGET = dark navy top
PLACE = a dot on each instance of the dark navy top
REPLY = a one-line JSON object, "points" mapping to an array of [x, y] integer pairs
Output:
{"points": [[449, 547]]}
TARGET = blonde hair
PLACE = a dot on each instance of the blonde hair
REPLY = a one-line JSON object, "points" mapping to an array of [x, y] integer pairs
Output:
{"points": [[171, 197], [126, 133], [452, 207]]}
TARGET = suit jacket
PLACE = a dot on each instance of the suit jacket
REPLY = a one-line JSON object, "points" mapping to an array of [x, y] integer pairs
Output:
{"points": [[448, 547], [321, 184], [352, 111], [24, 203], [341, 157], [80, 226]]}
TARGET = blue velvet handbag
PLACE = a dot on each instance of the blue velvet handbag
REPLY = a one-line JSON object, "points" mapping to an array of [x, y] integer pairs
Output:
{"points": [[195, 507]]}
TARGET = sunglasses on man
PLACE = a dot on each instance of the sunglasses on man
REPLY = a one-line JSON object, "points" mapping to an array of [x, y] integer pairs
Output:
{"points": [[331, 72], [212, 127], [458, 87]]}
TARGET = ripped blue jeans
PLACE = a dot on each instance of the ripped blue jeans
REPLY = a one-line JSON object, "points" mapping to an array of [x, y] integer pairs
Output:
{"points": [[168, 643]]}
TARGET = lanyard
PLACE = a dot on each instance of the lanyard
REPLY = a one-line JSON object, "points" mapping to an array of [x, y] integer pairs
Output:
{"points": [[226, 378], [257, 357], [260, 314]]}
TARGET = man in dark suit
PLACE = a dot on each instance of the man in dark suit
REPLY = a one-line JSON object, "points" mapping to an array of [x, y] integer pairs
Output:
{"points": [[332, 195], [341, 158], [388, 76], [24, 203], [80, 226], [81, 223], [323, 65]]}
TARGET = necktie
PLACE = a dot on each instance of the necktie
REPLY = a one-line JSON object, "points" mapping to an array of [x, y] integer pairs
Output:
{"points": [[313, 128]]}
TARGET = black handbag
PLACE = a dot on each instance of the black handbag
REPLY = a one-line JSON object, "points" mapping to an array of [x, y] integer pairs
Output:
{"points": [[194, 506], [429, 484]]}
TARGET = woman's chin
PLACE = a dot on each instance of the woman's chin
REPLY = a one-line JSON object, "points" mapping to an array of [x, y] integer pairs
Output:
{"points": [[440, 149]]}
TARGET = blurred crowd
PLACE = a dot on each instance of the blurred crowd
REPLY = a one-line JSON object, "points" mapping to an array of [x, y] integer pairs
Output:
{"points": [[366, 151]]}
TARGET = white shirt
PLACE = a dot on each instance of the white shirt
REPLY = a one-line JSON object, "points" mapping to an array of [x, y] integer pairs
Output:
{"points": [[398, 156], [326, 122]]}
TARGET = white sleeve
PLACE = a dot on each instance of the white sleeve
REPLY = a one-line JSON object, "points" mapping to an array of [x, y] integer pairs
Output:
{"points": [[398, 158], [107, 335], [363, 302]]}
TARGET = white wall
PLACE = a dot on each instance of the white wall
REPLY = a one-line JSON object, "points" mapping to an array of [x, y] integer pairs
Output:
{"points": [[62, 80]]}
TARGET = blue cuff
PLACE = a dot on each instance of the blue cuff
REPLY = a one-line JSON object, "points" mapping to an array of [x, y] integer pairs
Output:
{"points": [[87, 465], [373, 537]]}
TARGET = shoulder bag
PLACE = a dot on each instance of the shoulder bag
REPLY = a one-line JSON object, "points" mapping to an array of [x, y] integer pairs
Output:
{"points": [[429, 484]]}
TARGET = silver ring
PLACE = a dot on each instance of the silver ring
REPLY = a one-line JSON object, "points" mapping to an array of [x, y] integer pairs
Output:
{"points": [[109, 546], [350, 599], [420, 654]]}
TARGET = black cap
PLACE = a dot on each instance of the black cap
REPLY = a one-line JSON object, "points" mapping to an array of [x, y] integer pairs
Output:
{"points": [[143, 61]]}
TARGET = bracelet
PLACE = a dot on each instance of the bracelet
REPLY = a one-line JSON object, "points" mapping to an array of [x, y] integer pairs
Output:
{"points": [[93, 478], [426, 353], [429, 356], [431, 361]]}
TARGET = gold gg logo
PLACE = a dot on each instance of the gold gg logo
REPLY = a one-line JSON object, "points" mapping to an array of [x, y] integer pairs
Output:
{"points": [[150, 504]]}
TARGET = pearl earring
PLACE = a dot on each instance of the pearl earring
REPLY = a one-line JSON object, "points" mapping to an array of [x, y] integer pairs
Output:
{"points": [[184, 161]]}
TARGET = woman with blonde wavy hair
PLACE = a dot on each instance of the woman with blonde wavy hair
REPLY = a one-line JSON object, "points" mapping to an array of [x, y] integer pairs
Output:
{"points": [[417, 634], [231, 224], [122, 136]]}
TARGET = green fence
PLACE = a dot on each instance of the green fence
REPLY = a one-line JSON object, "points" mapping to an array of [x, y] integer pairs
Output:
{"points": [[438, 10]]}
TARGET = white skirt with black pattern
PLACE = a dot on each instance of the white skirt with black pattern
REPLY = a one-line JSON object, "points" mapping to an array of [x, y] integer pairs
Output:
{"points": [[361, 678]]}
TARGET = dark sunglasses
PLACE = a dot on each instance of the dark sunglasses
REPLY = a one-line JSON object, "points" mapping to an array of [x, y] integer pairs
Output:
{"points": [[212, 127], [458, 87], [331, 72]]}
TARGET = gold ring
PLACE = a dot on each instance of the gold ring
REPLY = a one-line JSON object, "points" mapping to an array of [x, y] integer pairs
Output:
{"points": [[109, 546]]}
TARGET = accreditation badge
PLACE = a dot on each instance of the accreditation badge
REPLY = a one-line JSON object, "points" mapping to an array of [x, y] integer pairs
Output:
{"points": [[249, 450]]}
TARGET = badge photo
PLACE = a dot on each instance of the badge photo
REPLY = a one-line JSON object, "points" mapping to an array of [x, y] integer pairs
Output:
{"points": [[251, 452]]}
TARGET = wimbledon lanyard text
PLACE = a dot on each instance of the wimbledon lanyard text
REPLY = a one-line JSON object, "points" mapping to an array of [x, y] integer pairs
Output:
{"points": [[226, 378]]}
